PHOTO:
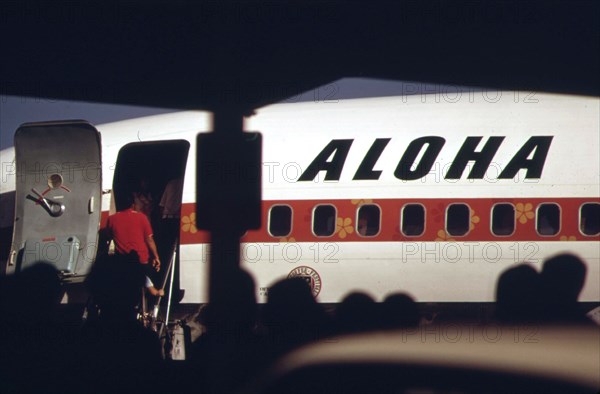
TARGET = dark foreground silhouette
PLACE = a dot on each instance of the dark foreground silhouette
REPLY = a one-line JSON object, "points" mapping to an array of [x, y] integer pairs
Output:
{"points": [[114, 353]]}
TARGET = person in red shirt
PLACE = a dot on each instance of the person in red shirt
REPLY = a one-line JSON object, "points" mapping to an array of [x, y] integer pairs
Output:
{"points": [[131, 232]]}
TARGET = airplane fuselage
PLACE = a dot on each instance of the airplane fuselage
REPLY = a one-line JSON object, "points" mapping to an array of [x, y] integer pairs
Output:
{"points": [[394, 194]]}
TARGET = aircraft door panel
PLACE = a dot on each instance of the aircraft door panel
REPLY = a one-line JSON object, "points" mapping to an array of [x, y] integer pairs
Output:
{"points": [[58, 197]]}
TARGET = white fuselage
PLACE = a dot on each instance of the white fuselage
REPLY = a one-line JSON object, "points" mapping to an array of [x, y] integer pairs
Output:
{"points": [[433, 266]]}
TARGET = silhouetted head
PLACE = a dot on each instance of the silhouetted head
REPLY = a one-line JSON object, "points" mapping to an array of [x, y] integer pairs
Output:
{"points": [[399, 311], [41, 279], [128, 201], [356, 313], [518, 294], [292, 310], [290, 292], [563, 277], [36, 291]]}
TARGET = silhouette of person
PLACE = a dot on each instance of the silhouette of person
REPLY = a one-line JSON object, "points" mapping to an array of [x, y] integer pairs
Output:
{"points": [[228, 354], [518, 295], [562, 279], [368, 221], [356, 313], [292, 316], [362, 226], [399, 311], [35, 342], [545, 225], [117, 353]]}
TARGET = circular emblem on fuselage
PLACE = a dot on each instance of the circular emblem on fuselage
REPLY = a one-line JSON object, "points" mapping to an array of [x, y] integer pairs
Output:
{"points": [[310, 276]]}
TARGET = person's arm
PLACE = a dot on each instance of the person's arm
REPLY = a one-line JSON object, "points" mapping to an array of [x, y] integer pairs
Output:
{"points": [[156, 292], [149, 238], [153, 290], [152, 246]]}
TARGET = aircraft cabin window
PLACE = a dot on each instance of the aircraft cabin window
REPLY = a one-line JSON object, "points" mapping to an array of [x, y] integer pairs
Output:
{"points": [[503, 219], [458, 219], [368, 221], [589, 218], [413, 220], [280, 220], [324, 217], [547, 220]]}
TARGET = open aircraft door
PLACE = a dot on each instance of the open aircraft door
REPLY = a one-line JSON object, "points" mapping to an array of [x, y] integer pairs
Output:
{"points": [[58, 193], [150, 171]]}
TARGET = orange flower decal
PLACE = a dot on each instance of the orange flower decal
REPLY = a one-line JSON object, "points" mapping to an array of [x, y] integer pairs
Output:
{"points": [[568, 238], [189, 223], [290, 239], [343, 227], [443, 236], [362, 201], [474, 220], [524, 212]]}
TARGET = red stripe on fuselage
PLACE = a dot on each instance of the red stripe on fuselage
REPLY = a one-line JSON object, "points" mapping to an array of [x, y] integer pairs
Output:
{"points": [[435, 211]]}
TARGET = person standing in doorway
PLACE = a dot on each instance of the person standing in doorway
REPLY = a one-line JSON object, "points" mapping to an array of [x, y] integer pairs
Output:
{"points": [[142, 198], [170, 213], [133, 237]]}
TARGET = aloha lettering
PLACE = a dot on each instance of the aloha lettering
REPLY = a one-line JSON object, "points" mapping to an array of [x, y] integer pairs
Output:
{"points": [[531, 157]]}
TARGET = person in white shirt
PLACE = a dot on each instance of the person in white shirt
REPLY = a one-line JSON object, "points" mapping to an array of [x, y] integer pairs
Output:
{"points": [[170, 203], [170, 223]]}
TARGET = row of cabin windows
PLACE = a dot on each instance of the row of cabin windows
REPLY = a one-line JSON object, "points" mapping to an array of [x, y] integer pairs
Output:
{"points": [[458, 220]]}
